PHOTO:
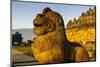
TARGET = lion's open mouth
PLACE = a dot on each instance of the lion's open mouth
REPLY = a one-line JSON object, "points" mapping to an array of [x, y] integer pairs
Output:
{"points": [[39, 29], [38, 25]]}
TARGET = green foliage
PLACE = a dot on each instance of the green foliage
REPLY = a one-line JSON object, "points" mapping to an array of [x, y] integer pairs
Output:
{"points": [[17, 39]]}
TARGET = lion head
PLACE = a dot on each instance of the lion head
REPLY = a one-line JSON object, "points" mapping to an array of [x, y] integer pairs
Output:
{"points": [[47, 21]]}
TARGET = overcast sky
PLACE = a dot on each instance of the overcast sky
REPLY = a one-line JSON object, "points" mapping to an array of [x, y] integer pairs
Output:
{"points": [[24, 12]]}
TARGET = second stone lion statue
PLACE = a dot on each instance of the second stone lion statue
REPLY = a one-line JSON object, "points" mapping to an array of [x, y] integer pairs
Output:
{"points": [[51, 44]]}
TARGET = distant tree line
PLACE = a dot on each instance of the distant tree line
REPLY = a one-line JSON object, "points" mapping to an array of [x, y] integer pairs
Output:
{"points": [[17, 40], [86, 19]]}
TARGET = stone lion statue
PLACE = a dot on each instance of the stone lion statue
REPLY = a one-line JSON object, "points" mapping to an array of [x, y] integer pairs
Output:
{"points": [[50, 44]]}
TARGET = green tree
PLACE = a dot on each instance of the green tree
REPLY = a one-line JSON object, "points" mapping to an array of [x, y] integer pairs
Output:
{"points": [[17, 39]]}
